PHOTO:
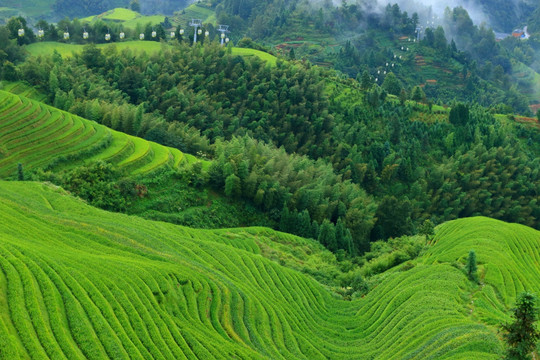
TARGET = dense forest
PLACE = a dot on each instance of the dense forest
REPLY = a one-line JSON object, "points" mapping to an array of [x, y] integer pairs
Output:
{"points": [[304, 142], [349, 160]]}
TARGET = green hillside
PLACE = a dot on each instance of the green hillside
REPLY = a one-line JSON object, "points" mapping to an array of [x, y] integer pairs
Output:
{"points": [[36, 135], [48, 47], [150, 47], [128, 18], [80, 282]]}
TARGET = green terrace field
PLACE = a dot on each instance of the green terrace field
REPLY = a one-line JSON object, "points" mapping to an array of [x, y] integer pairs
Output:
{"points": [[48, 48], [77, 282], [37, 135], [271, 59], [194, 11], [128, 18], [23, 89]]}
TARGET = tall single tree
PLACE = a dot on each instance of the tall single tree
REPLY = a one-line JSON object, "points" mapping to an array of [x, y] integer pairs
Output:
{"points": [[521, 335], [471, 266], [427, 229], [20, 172]]}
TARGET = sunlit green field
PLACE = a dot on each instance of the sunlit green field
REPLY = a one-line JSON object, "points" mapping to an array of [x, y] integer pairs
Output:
{"points": [[48, 48], [129, 18], [37, 135], [252, 52], [77, 282]]}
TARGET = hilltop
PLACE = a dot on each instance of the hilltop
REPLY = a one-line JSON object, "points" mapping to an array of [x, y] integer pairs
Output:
{"points": [[195, 293]]}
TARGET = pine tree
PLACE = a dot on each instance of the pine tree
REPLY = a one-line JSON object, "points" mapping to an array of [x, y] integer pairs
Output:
{"points": [[365, 80], [522, 335], [327, 235], [284, 221], [418, 94], [20, 172], [232, 186], [471, 266], [304, 224]]}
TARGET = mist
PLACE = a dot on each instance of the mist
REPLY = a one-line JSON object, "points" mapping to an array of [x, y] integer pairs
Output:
{"points": [[430, 9]]}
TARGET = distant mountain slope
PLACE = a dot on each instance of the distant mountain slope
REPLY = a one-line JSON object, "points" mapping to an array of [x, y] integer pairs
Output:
{"points": [[78, 282], [35, 135]]}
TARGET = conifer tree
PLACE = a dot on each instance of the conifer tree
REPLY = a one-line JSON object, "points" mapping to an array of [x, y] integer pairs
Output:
{"points": [[365, 80], [327, 235], [20, 172], [522, 335], [471, 266]]}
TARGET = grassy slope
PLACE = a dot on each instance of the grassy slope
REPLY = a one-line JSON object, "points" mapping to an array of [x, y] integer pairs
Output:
{"points": [[80, 282], [194, 11], [36, 135], [47, 48], [129, 18]]}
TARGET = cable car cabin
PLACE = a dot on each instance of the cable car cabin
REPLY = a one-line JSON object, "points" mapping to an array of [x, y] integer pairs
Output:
{"points": [[173, 34], [107, 36], [181, 31], [199, 32], [85, 35], [66, 36], [227, 40], [222, 35], [154, 34], [21, 32], [206, 33], [40, 33], [141, 36], [122, 35]]}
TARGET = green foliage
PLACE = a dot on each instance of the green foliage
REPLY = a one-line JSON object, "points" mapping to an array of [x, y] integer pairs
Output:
{"points": [[459, 115], [391, 84], [20, 172], [521, 335], [99, 185], [471, 266], [418, 94], [427, 229], [135, 5], [175, 271]]}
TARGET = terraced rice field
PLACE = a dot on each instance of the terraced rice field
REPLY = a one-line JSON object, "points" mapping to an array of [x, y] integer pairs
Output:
{"points": [[77, 282], [37, 135]]}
